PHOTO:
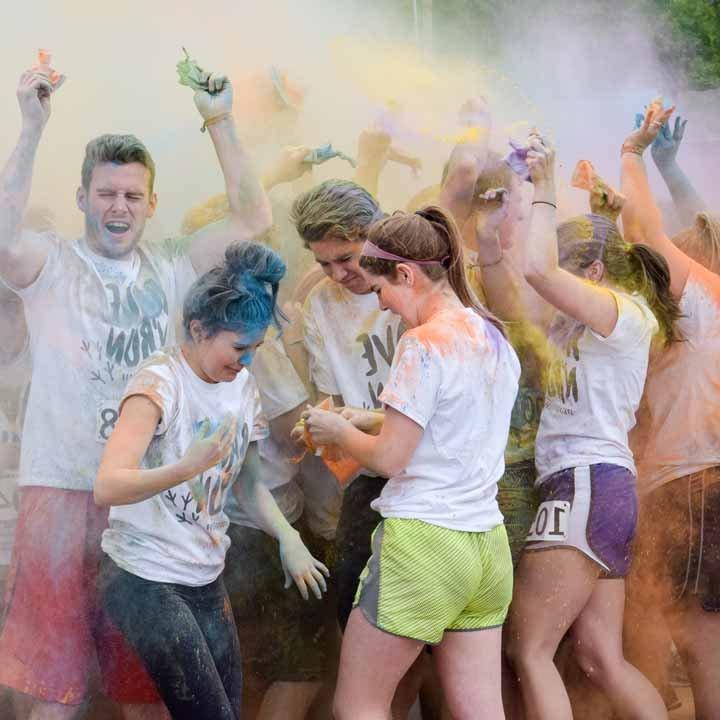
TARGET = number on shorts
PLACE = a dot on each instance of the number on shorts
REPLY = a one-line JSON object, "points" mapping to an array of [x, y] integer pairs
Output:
{"points": [[551, 521]]}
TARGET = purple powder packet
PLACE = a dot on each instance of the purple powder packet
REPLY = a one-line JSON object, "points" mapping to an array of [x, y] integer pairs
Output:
{"points": [[517, 160]]}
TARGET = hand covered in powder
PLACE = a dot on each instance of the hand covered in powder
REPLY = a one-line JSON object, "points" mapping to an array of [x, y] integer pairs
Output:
{"points": [[324, 426], [541, 161], [302, 568], [33, 93], [649, 127], [217, 99], [492, 211], [667, 143], [289, 166], [605, 200], [209, 448], [369, 421]]}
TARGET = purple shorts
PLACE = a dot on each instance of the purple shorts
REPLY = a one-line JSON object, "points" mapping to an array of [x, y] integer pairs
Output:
{"points": [[592, 508]]}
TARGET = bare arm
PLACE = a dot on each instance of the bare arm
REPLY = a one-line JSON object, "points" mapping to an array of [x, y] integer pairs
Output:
{"points": [[642, 219], [250, 214], [387, 453], [373, 154], [580, 299], [121, 480], [255, 497], [664, 152], [23, 255]]}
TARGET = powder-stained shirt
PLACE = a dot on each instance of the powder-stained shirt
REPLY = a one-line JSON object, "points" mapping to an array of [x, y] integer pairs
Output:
{"points": [[593, 393], [179, 535], [456, 377], [91, 322], [350, 343], [678, 431], [281, 390]]}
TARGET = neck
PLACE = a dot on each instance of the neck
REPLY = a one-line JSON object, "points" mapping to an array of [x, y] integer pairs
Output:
{"points": [[439, 300], [188, 350]]}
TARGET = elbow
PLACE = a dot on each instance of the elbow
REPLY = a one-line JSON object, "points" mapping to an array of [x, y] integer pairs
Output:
{"points": [[100, 494], [536, 275]]}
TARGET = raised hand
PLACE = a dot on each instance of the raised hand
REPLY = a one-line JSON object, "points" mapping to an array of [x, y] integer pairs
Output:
{"points": [[667, 143], [649, 128], [33, 94], [541, 160], [374, 147], [290, 166], [217, 99], [605, 200]]}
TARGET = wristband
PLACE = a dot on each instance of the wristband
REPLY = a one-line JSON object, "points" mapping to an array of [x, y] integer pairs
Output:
{"points": [[491, 264], [544, 202], [631, 148], [213, 120]]}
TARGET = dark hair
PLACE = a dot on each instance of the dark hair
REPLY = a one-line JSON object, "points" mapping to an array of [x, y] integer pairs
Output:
{"points": [[239, 295], [427, 234], [119, 150], [339, 207], [635, 268]]}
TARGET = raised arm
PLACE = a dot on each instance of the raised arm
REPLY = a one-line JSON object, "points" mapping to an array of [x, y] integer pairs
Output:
{"points": [[664, 149], [373, 154], [23, 254], [255, 497], [582, 300], [250, 214], [642, 220]]}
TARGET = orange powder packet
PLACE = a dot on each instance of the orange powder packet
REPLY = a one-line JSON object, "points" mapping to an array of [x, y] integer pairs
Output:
{"points": [[584, 176], [44, 57], [342, 465]]}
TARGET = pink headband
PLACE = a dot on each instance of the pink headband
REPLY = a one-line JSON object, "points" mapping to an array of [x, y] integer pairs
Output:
{"points": [[371, 250]]}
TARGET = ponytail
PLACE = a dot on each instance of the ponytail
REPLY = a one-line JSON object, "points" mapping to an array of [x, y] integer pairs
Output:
{"points": [[427, 234], [653, 282]]}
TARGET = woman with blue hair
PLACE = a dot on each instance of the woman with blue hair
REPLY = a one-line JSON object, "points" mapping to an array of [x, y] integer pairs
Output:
{"points": [[186, 435]]}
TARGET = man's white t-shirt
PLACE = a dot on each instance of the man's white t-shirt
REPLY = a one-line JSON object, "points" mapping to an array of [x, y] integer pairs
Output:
{"points": [[179, 536], [281, 391], [456, 377], [593, 392], [678, 430], [350, 343], [14, 380], [91, 322]]}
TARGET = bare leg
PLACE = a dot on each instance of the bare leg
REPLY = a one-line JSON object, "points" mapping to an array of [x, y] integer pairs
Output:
{"points": [[551, 589], [372, 663], [598, 648], [408, 690], [696, 633], [288, 700], [469, 667]]}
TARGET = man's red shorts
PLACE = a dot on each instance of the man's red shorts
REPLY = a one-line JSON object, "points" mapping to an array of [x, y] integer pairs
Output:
{"points": [[51, 620]]}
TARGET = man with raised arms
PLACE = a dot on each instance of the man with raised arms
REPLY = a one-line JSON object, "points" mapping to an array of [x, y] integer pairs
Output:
{"points": [[95, 308]]}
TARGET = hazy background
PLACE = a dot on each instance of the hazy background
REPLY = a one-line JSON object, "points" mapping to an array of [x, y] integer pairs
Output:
{"points": [[577, 71]]}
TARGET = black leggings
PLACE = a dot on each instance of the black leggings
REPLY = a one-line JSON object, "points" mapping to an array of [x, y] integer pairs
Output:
{"points": [[185, 637]]}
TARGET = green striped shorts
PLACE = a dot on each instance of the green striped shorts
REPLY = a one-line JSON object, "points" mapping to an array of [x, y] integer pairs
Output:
{"points": [[422, 579]]}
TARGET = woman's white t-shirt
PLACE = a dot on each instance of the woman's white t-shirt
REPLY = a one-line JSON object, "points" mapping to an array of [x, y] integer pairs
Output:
{"points": [[179, 536], [456, 377], [593, 392]]}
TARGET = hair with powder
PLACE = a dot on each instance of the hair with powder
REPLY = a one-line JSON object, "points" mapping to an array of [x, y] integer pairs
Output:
{"points": [[634, 268], [240, 295], [427, 234], [702, 241], [118, 150], [337, 208]]}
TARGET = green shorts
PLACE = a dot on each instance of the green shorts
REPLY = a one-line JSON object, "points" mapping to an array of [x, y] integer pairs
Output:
{"points": [[422, 579]]}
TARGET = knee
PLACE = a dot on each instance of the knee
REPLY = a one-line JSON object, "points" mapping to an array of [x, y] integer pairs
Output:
{"points": [[522, 651], [598, 663]]}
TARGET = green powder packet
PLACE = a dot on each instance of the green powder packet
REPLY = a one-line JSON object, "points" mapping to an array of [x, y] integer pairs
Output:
{"points": [[191, 74], [325, 153]]}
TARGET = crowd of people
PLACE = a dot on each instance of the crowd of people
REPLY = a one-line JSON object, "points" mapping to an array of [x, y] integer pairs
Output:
{"points": [[457, 460]]}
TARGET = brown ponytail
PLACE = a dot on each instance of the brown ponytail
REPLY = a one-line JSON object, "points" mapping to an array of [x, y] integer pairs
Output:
{"points": [[653, 282], [427, 234]]}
